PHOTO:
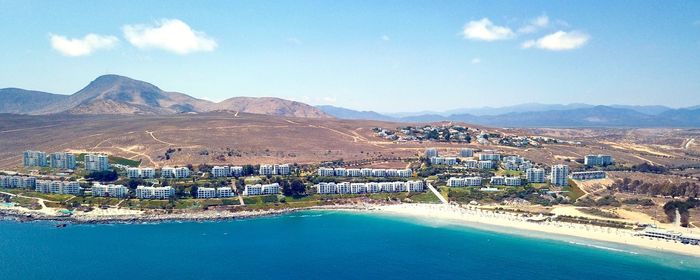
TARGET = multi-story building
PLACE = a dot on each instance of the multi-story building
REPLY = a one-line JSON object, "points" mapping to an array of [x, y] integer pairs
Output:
{"points": [[175, 172], [471, 163], [61, 160], [143, 192], [443, 160], [498, 180], [17, 182], [136, 172], [378, 172], [34, 158], [326, 172], [205, 193], [370, 187], [431, 153], [485, 164], [489, 155], [58, 187], [96, 162], [224, 192], [464, 181], [513, 181], [354, 172], [111, 190], [259, 189], [535, 175], [405, 173], [275, 169], [466, 152], [560, 175], [598, 160], [588, 175], [226, 171], [341, 172]]}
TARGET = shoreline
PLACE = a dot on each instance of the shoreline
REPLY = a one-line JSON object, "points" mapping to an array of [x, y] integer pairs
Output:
{"points": [[502, 222]]}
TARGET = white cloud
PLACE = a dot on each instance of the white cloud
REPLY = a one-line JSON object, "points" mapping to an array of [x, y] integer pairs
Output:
{"points": [[386, 38], [81, 47], [476, 60], [172, 35], [559, 41], [485, 30], [535, 24]]}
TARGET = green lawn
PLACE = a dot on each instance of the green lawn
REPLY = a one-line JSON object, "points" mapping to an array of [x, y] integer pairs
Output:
{"points": [[505, 172], [573, 190]]}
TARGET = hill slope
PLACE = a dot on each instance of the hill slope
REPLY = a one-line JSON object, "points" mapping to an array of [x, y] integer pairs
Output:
{"points": [[270, 106], [20, 101]]}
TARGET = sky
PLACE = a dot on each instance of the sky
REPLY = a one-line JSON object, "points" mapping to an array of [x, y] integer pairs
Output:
{"points": [[387, 56]]}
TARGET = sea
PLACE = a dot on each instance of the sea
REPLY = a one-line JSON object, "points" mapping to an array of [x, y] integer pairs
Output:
{"points": [[318, 245]]}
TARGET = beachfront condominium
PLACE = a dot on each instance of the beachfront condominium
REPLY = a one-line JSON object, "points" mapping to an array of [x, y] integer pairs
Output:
{"points": [[431, 153], [535, 175], [560, 175], [220, 192], [226, 171], [369, 187], [513, 181], [464, 181], [62, 160], [259, 189], [17, 182], [275, 169], [34, 158], [588, 175], [143, 192], [175, 172], [96, 162], [57, 187], [111, 190], [136, 172], [498, 180], [466, 152], [598, 160]]}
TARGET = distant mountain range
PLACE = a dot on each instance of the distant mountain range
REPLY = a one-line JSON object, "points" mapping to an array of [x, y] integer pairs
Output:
{"points": [[544, 115], [113, 94]]}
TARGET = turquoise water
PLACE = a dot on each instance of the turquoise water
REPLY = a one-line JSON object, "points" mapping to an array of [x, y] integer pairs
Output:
{"points": [[313, 245]]}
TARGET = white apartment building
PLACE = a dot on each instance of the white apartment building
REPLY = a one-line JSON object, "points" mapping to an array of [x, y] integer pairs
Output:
{"points": [[466, 152], [513, 181], [135, 172], [175, 172], [431, 153], [464, 181], [535, 175], [61, 160], [443, 160], [17, 182], [340, 172], [471, 163], [34, 158], [111, 190], [370, 187], [485, 164], [598, 160], [205, 193], [489, 155], [57, 187], [226, 171], [143, 192], [560, 175], [326, 172], [378, 172], [96, 162], [275, 169], [354, 172], [498, 180], [224, 192], [365, 172], [588, 175], [259, 189]]}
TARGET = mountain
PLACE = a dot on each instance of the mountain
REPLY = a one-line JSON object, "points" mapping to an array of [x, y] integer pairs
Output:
{"points": [[645, 109], [520, 108], [270, 106], [349, 114], [20, 101], [113, 94], [598, 116]]}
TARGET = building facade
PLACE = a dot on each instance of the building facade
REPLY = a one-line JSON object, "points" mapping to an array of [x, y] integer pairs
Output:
{"points": [[560, 175]]}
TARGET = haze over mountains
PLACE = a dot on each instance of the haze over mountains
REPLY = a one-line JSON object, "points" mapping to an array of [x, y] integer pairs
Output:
{"points": [[113, 94]]}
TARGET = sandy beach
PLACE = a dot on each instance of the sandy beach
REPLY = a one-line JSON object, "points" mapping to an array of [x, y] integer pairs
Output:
{"points": [[466, 216]]}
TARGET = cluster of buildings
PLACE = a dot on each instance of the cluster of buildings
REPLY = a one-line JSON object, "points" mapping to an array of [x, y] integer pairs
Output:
{"points": [[111, 190], [259, 189], [516, 163], [588, 175], [275, 169], [558, 177], [364, 172], [598, 160], [143, 192], [220, 192], [12, 182], [96, 162], [143, 172], [57, 187], [226, 171], [175, 172], [58, 160], [446, 133], [371, 187]]}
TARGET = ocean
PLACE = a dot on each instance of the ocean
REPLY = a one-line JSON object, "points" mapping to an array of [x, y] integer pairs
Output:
{"points": [[316, 245]]}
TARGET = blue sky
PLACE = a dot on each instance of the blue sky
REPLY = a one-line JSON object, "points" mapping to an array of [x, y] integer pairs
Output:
{"points": [[387, 56]]}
